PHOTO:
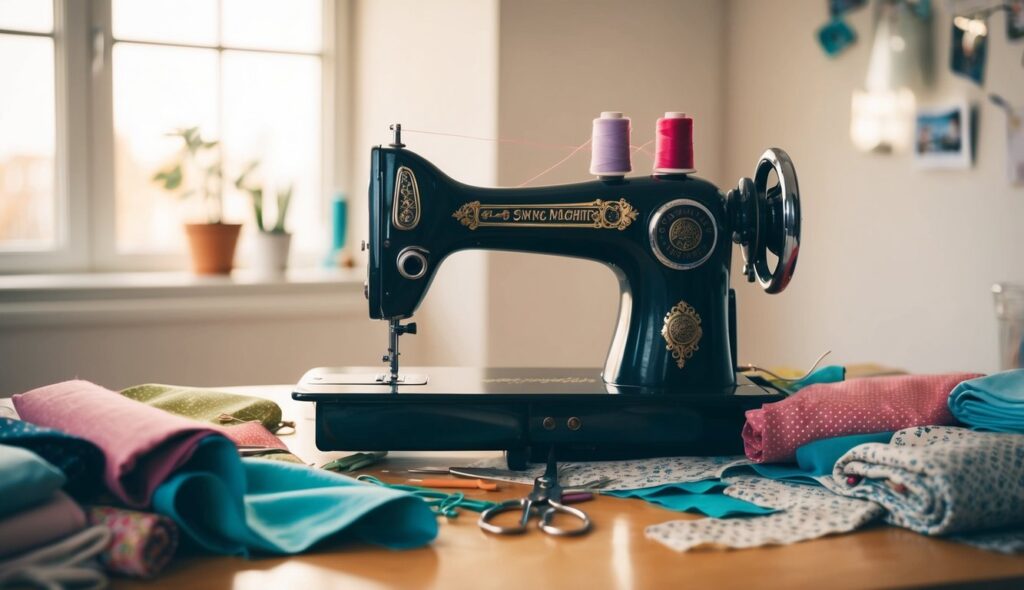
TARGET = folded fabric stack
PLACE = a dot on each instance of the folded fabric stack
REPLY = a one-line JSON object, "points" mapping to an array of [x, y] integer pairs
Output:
{"points": [[994, 403], [859, 406], [41, 526], [191, 473], [934, 479]]}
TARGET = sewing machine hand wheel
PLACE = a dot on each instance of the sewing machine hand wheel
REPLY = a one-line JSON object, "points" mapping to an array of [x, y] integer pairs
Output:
{"points": [[768, 219]]}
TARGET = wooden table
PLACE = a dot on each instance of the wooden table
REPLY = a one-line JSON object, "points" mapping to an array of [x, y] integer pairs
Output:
{"points": [[614, 555]]}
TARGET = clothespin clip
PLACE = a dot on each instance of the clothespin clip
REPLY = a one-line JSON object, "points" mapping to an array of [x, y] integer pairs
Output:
{"points": [[355, 462], [1011, 113]]}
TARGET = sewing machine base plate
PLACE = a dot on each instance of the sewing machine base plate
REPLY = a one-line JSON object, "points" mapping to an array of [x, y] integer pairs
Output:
{"points": [[524, 411]]}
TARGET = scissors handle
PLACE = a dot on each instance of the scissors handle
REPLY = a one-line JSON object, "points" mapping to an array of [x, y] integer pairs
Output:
{"points": [[488, 515], [556, 507]]}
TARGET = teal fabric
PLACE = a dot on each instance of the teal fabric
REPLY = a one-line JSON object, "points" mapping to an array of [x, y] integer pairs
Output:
{"points": [[232, 506], [826, 374], [25, 479], [994, 403], [816, 459], [705, 497]]}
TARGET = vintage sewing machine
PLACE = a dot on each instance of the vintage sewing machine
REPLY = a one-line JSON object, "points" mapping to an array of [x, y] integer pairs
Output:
{"points": [[670, 384]]}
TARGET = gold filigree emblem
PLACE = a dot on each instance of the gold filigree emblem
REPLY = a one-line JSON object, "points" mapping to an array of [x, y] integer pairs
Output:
{"points": [[682, 332], [406, 204], [685, 234], [597, 214]]}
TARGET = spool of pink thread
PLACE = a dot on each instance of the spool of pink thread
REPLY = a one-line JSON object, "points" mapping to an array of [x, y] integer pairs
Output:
{"points": [[673, 144]]}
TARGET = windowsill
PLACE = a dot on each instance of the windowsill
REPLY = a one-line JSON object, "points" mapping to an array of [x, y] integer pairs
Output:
{"points": [[147, 297]]}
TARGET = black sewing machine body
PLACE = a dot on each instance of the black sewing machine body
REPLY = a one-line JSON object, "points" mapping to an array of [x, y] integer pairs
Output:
{"points": [[669, 384], [612, 222]]}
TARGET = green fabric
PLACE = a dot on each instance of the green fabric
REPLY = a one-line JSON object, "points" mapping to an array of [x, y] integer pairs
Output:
{"points": [[207, 405]]}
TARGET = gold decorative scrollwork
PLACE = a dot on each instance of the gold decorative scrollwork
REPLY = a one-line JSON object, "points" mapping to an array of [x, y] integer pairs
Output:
{"points": [[406, 204], [682, 332], [596, 214]]}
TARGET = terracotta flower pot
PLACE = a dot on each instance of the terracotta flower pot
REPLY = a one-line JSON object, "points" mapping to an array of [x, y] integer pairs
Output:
{"points": [[212, 246]]}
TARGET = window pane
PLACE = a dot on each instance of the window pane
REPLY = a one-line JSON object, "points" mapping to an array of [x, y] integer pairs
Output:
{"points": [[27, 141], [173, 21], [291, 25], [272, 113], [157, 90], [27, 15]]}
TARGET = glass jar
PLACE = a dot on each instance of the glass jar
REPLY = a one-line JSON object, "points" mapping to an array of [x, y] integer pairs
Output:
{"points": [[1009, 302]]}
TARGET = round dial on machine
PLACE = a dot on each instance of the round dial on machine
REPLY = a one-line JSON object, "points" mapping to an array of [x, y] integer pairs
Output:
{"points": [[683, 234]]}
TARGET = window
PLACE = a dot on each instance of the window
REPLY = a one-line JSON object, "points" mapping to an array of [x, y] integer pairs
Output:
{"points": [[91, 92], [28, 198]]}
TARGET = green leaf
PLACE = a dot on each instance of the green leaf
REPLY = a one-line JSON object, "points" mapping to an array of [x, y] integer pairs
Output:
{"points": [[170, 178], [284, 199]]}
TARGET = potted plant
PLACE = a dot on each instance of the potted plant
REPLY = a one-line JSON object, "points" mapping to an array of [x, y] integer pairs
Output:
{"points": [[272, 243], [196, 172]]}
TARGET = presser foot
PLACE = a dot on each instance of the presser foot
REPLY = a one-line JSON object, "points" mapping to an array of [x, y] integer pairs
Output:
{"points": [[395, 331]]}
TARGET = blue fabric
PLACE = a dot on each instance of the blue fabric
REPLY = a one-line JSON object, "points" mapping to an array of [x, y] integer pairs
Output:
{"points": [[827, 374], [994, 403], [232, 506], [25, 479], [79, 460], [705, 497], [816, 459]]}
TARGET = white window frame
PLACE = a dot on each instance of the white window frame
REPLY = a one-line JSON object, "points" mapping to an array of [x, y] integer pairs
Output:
{"points": [[84, 186]]}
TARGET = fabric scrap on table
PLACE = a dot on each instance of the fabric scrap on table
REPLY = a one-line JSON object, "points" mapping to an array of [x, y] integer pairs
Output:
{"points": [[67, 563], [39, 525], [207, 405], [939, 480], [807, 512], [142, 445], [624, 475], [705, 497], [25, 479], [994, 403], [142, 543], [232, 506], [79, 460], [874, 404], [815, 460], [826, 374]]}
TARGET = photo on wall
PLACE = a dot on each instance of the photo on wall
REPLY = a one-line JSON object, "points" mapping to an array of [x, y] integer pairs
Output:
{"points": [[942, 136], [969, 48], [1015, 19]]}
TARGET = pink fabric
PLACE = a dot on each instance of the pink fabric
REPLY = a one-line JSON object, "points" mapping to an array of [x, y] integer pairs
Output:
{"points": [[40, 525], [858, 406], [142, 445], [252, 434]]}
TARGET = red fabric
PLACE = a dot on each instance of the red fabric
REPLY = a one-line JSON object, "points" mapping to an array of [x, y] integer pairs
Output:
{"points": [[858, 406], [252, 434]]}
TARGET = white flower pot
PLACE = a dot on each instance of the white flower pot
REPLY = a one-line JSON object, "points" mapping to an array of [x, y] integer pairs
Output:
{"points": [[270, 254]]}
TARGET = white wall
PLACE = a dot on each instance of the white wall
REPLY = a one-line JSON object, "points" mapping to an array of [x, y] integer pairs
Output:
{"points": [[896, 264], [431, 66], [561, 64]]}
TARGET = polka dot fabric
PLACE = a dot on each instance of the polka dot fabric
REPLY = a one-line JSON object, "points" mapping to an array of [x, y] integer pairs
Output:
{"points": [[859, 406]]}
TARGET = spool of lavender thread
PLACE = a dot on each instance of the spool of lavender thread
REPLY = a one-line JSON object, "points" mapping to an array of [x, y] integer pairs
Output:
{"points": [[609, 145]]}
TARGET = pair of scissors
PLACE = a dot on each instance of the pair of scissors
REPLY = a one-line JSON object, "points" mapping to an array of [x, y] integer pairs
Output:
{"points": [[545, 500]]}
